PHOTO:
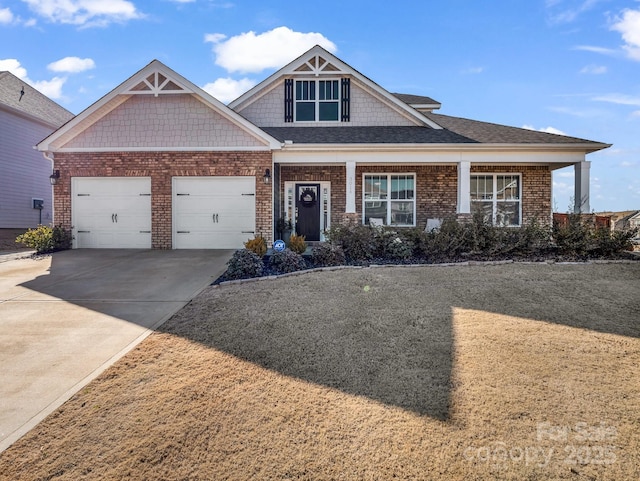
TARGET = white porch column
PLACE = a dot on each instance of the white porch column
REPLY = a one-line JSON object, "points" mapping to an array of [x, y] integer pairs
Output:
{"points": [[464, 187], [351, 188], [581, 188]]}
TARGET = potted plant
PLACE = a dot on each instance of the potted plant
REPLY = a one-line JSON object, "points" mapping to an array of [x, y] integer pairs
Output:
{"points": [[284, 228]]}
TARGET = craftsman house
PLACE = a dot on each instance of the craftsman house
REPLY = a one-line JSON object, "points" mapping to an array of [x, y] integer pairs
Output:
{"points": [[160, 163]]}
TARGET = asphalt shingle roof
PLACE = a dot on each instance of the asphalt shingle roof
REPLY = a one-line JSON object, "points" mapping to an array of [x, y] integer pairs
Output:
{"points": [[415, 99], [32, 102], [367, 135], [488, 133]]}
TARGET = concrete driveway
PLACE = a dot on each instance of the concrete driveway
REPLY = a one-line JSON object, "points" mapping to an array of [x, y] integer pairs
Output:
{"points": [[65, 318]]}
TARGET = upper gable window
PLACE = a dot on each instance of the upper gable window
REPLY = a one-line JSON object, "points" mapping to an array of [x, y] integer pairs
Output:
{"points": [[317, 100]]}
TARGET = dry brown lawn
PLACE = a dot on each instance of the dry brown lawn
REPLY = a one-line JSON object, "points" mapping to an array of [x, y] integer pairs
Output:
{"points": [[479, 372]]}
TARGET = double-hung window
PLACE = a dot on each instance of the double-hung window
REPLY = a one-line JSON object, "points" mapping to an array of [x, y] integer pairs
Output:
{"points": [[317, 100], [389, 199], [497, 198]]}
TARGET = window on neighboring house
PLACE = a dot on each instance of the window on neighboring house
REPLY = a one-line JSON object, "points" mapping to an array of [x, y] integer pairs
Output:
{"points": [[497, 198], [389, 199], [317, 100]]}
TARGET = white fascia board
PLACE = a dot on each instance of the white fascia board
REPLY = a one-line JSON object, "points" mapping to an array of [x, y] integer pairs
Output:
{"points": [[470, 147]]}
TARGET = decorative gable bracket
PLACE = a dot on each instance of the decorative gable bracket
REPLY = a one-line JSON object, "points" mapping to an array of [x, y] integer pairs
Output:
{"points": [[158, 83], [317, 65]]}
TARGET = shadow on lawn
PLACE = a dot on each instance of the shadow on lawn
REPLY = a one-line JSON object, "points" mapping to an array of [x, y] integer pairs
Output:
{"points": [[362, 337], [387, 334]]}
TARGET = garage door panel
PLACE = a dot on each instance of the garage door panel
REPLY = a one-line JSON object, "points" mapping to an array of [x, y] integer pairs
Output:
{"points": [[213, 212], [113, 212]]}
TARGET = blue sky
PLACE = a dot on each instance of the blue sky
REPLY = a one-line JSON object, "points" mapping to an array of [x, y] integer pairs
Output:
{"points": [[564, 66]]}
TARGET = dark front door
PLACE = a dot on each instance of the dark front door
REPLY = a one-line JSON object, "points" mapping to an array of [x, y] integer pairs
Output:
{"points": [[308, 211]]}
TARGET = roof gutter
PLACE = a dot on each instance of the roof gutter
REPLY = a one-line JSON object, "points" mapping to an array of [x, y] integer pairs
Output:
{"points": [[470, 147]]}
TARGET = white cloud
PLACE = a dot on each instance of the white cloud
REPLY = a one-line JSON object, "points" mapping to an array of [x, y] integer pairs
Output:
{"points": [[6, 17], [214, 37], [51, 88], [72, 65], [13, 65], [619, 99], [568, 13], [594, 49], [629, 26], [548, 130], [227, 89], [594, 69], [85, 13], [251, 52]]}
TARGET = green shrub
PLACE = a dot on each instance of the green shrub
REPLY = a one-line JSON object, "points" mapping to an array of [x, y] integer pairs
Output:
{"points": [[287, 261], [297, 244], [447, 243], [607, 243], [46, 239], [574, 237], [257, 245], [244, 264], [357, 241], [393, 245], [326, 254]]}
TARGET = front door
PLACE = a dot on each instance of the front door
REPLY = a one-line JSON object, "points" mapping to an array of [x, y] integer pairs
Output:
{"points": [[308, 211]]}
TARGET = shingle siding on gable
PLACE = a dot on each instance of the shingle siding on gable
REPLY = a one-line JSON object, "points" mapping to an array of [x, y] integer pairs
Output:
{"points": [[145, 121], [366, 110]]}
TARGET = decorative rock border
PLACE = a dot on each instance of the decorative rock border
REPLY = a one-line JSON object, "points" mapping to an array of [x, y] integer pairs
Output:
{"points": [[444, 264]]}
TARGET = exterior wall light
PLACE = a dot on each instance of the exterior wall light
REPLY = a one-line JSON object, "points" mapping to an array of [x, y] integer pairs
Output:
{"points": [[267, 176], [55, 177]]}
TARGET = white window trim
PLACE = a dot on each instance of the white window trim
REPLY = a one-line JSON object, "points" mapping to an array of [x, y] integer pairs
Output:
{"points": [[389, 200], [317, 100], [495, 200]]}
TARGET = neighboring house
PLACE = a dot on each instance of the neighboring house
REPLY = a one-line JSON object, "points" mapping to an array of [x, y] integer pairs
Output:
{"points": [[26, 117], [160, 163], [629, 221]]}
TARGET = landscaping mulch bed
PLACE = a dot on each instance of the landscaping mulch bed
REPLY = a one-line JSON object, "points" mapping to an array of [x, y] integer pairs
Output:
{"points": [[509, 371]]}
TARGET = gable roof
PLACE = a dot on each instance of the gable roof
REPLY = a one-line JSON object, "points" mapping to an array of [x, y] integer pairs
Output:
{"points": [[489, 133], [317, 60], [31, 103], [419, 102], [154, 79]]}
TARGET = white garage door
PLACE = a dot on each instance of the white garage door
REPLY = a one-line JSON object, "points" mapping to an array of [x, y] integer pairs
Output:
{"points": [[113, 212], [213, 212]]}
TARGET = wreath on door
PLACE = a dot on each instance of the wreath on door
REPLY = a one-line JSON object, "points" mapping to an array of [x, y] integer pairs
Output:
{"points": [[308, 197]]}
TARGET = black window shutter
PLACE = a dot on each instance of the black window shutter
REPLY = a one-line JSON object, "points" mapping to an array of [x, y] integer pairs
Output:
{"points": [[288, 100], [346, 97]]}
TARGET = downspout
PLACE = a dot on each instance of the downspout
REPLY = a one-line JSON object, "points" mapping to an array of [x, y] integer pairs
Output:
{"points": [[53, 204]]}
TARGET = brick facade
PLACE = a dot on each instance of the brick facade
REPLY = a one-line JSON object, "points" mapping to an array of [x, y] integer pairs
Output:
{"points": [[161, 167], [436, 188]]}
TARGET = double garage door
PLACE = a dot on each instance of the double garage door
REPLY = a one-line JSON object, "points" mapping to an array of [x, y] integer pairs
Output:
{"points": [[206, 212]]}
